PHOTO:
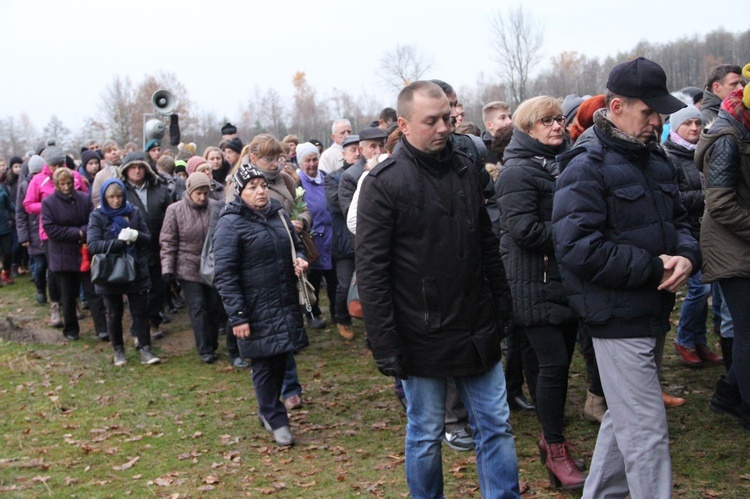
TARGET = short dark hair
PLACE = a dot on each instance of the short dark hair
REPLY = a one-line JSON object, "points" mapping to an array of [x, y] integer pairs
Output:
{"points": [[718, 73], [406, 96], [447, 89], [388, 115], [609, 96]]}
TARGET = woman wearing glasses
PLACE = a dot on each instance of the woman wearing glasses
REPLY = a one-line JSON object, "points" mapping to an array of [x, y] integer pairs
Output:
{"points": [[525, 188]]}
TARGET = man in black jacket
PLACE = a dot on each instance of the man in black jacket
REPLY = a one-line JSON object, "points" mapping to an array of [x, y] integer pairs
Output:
{"points": [[624, 247], [146, 191], [434, 294]]}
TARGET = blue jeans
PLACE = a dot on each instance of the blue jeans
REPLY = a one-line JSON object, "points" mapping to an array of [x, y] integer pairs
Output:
{"points": [[692, 328], [291, 385], [721, 313], [485, 398]]}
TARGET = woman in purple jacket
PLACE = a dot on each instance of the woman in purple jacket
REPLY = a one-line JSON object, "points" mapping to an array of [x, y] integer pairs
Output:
{"points": [[65, 217]]}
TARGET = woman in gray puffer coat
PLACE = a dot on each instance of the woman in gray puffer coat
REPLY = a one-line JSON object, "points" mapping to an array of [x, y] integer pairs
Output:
{"points": [[182, 236]]}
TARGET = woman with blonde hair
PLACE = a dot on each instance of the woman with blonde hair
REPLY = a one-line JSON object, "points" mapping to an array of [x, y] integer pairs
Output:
{"points": [[219, 166], [524, 190]]}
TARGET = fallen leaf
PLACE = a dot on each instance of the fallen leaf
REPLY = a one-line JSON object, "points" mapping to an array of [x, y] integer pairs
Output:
{"points": [[211, 480], [127, 465], [163, 481], [197, 434]]}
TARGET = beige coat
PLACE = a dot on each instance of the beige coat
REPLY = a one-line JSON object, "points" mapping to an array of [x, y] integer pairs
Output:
{"points": [[182, 236]]}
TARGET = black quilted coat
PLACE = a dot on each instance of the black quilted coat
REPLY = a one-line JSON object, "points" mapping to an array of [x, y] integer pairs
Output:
{"points": [[524, 192], [255, 278]]}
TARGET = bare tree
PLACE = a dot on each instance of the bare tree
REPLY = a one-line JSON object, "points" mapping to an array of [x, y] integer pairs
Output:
{"points": [[517, 42], [119, 110], [309, 117], [55, 130], [403, 65]]}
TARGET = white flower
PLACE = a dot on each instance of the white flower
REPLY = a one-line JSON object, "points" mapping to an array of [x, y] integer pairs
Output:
{"points": [[299, 192]]}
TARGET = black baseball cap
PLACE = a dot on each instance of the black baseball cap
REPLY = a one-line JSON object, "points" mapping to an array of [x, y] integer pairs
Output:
{"points": [[645, 80]]}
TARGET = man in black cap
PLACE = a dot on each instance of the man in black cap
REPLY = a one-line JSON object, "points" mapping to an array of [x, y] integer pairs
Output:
{"points": [[371, 145], [624, 245]]}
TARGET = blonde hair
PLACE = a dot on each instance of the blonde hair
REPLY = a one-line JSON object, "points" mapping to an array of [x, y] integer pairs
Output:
{"points": [[62, 173], [208, 150], [532, 110]]}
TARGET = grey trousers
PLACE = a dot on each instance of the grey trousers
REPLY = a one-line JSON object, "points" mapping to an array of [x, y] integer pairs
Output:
{"points": [[632, 449]]}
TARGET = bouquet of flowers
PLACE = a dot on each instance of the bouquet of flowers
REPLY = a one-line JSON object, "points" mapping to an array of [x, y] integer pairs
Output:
{"points": [[299, 203]]}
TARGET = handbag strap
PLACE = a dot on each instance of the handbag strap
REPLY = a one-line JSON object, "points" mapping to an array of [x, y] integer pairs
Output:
{"points": [[291, 240]]}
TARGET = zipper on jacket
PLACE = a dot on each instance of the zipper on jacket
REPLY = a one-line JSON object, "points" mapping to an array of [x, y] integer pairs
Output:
{"points": [[426, 308], [546, 266]]}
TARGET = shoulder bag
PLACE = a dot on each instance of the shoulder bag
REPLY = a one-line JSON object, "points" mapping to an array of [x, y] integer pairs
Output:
{"points": [[112, 268]]}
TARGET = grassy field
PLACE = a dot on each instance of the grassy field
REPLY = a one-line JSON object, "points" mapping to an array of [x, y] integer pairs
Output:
{"points": [[73, 425]]}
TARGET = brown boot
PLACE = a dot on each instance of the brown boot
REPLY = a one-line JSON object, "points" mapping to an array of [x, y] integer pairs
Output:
{"points": [[562, 469], [594, 408], [346, 331]]}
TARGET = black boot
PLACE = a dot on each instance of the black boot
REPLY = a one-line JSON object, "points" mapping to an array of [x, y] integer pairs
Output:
{"points": [[726, 399], [726, 351]]}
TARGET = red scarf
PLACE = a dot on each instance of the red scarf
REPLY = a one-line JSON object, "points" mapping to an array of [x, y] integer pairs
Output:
{"points": [[733, 105]]}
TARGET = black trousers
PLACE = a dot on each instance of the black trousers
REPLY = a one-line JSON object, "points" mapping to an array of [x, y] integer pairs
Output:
{"points": [[554, 346], [589, 356], [138, 305], [736, 290], [68, 284], [520, 359], [203, 302], [268, 376], [156, 294], [316, 277]]}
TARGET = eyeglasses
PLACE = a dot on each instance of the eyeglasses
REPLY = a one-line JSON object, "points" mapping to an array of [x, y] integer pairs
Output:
{"points": [[547, 120], [270, 159]]}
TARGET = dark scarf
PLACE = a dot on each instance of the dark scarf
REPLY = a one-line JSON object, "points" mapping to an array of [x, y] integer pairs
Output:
{"points": [[120, 216], [736, 108], [523, 145]]}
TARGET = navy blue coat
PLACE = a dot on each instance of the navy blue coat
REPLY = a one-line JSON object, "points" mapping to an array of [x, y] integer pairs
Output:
{"points": [[343, 245], [64, 219], [100, 236], [616, 209], [255, 278]]}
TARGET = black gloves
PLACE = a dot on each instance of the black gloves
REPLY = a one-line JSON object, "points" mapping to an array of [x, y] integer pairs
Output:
{"points": [[391, 366], [169, 279]]}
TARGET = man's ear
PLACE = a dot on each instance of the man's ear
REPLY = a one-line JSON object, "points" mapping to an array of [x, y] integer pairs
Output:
{"points": [[403, 125], [615, 107]]}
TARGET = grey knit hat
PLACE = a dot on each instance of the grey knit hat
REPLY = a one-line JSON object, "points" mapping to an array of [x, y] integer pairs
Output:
{"points": [[36, 163], [570, 106], [684, 114], [53, 155]]}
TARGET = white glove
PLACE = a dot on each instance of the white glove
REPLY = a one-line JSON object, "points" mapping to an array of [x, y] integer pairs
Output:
{"points": [[128, 235]]}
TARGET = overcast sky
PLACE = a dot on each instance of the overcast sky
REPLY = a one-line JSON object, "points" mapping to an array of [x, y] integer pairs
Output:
{"points": [[58, 57]]}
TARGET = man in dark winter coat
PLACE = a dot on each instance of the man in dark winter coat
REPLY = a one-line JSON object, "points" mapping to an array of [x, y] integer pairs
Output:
{"points": [[624, 247], [722, 80], [146, 191], [434, 294], [343, 243]]}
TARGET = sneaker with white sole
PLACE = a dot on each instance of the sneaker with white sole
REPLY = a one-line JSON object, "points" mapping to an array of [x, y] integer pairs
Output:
{"points": [[459, 439], [120, 359], [147, 357]]}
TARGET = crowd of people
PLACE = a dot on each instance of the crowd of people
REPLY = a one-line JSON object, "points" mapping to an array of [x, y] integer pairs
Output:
{"points": [[566, 221]]}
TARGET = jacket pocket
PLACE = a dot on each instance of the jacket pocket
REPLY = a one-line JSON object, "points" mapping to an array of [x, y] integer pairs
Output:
{"points": [[431, 304], [630, 206]]}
